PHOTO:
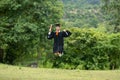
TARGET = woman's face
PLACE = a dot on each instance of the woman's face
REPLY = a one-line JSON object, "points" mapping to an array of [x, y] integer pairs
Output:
{"points": [[57, 28]]}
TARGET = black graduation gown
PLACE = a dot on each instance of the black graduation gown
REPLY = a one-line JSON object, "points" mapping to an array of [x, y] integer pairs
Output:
{"points": [[58, 40]]}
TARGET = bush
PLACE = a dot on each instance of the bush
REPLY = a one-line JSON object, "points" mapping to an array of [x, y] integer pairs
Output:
{"points": [[90, 49]]}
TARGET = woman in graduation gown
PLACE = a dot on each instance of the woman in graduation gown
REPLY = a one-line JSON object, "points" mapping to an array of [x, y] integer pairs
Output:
{"points": [[58, 37]]}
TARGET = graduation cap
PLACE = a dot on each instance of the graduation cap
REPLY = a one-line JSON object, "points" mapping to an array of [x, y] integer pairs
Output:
{"points": [[57, 25]]}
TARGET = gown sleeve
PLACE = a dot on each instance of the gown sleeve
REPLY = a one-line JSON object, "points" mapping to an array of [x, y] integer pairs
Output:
{"points": [[66, 33], [50, 35]]}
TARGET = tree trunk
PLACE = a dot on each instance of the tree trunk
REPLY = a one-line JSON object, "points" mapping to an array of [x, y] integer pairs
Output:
{"points": [[1, 55]]}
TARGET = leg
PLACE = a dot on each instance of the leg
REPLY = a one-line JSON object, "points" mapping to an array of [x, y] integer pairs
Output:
{"points": [[56, 54], [60, 54]]}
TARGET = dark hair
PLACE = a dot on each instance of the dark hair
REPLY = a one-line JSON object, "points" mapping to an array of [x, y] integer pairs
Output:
{"points": [[57, 24]]}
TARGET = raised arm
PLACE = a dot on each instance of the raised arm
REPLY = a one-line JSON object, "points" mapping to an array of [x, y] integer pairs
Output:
{"points": [[50, 34], [66, 33]]}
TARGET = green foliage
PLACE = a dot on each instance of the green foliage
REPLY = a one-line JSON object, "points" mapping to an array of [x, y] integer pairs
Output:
{"points": [[82, 13], [23, 24], [115, 51], [112, 11], [90, 49]]}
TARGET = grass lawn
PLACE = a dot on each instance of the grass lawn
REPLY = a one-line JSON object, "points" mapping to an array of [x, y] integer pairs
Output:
{"points": [[8, 72]]}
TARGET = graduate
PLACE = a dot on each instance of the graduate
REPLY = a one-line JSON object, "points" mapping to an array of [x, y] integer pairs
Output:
{"points": [[58, 37]]}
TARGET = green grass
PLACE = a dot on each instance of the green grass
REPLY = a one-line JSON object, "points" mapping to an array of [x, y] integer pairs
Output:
{"points": [[8, 72]]}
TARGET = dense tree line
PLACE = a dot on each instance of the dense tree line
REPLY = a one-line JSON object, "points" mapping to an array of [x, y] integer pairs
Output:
{"points": [[82, 13], [112, 9], [24, 27], [90, 49]]}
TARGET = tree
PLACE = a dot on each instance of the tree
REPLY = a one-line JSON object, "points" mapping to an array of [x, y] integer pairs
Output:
{"points": [[82, 13], [90, 49], [112, 8], [23, 25]]}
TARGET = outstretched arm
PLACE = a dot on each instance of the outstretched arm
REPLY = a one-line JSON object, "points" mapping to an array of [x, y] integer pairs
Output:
{"points": [[66, 33]]}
